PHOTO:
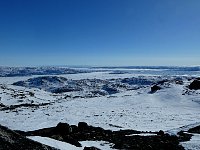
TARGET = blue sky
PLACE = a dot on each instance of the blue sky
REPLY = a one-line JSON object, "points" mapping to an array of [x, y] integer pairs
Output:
{"points": [[99, 32]]}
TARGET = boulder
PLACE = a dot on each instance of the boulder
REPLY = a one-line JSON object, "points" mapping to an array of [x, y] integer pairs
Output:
{"points": [[82, 125], [155, 88], [195, 85], [161, 133], [63, 128]]}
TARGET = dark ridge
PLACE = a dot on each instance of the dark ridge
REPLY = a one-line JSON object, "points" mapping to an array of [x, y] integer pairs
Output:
{"points": [[155, 88], [195, 130], [10, 140], [122, 139], [12, 107]]}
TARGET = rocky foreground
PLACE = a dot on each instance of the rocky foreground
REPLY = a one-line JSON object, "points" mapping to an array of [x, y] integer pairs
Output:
{"points": [[10, 140], [122, 139]]}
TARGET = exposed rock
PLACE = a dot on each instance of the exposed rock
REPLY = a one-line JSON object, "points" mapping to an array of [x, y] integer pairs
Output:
{"points": [[82, 125], [2, 105], [162, 81], [63, 128], [122, 139], [184, 136], [91, 148], [161, 133], [110, 90], [95, 87], [66, 89], [11, 107], [137, 81], [10, 140], [195, 85], [61, 132], [195, 130], [155, 88], [180, 82]]}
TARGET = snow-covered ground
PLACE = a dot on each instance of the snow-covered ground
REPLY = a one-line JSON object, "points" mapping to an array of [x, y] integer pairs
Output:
{"points": [[65, 146], [167, 109], [193, 144]]}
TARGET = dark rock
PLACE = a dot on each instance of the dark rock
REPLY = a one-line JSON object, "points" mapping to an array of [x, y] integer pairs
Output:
{"points": [[63, 128], [74, 129], [99, 92], [162, 81], [161, 133], [195, 130], [31, 94], [180, 82], [195, 85], [11, 107], [155, 88], [73, 141], [82, 125], [184, 136], [10, 140], [136, 81], [19, 83], [123, 139], [91, 148], [65, 89], [110, 90], [2, 105]]}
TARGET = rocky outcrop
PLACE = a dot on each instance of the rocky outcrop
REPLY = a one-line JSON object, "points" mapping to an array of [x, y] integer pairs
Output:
{"points": [[122, 139], [155, 88], [195, 130], [195, 85], [12, 107], [10, 140]]}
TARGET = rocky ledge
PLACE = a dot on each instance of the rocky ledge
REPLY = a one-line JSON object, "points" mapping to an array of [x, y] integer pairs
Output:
{"points": [[122, 139]]}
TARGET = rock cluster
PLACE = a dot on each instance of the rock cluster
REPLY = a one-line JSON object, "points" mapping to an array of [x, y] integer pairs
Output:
{"points": [[122, 139]]}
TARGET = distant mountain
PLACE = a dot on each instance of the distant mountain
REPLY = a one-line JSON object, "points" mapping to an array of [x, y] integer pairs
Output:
{"points": [[27, 71], [178, 68]]}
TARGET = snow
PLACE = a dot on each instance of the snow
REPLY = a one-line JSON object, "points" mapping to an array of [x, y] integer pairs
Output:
{"points": [[193, 144], [143, 134], [54, 143], [66, 146], [168, 109], [164, 110], [98, 144]]}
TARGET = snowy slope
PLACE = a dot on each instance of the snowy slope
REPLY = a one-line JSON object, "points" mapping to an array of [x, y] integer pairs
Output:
{"points": [[193, 144], [137, 109], [65, 146], [168, 109]]}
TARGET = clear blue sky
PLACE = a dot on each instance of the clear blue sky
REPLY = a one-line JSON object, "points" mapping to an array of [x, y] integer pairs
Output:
{"points": [[99, 32]]}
